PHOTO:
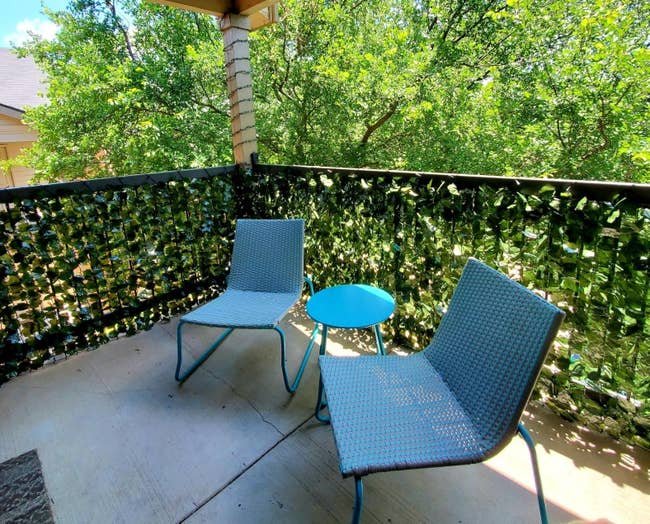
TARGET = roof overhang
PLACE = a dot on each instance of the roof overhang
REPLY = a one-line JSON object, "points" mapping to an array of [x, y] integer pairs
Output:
{"points": [[261, 12], [11, 111]]}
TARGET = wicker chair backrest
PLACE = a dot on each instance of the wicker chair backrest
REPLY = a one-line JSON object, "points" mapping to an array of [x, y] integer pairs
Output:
{"points": [[490, 347], [268, 256]]}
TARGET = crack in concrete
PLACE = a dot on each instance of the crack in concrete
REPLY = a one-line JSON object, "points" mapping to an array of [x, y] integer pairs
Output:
{"points": [[283, 436], [234, 479], [245, 399], [234, 391]]}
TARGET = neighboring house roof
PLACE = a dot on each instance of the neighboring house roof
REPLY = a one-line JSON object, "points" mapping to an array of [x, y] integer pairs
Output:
{"points": [[20, 82]]}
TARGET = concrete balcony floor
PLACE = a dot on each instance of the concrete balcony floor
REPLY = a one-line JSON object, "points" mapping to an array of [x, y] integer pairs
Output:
{"points": [[120, 441]]}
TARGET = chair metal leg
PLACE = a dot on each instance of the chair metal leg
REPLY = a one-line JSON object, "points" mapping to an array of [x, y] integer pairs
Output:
{"points": [[179, 342], [358, 500], [320, 403], [293, 387], [538, 479]]}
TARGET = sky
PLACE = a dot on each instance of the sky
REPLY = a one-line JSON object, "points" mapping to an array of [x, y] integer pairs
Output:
{"points": [[17, 17]]}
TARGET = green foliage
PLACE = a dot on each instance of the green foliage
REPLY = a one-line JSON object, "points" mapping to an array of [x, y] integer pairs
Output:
{"points": [[515, 87], [582, 86], [412, 235], [125, 100], [80, 269], [483, 86]]}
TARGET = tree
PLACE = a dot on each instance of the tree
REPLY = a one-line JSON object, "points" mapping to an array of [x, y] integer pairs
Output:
{"points": [[140, 92], [578, 96], [482, 86], [369, 83]]}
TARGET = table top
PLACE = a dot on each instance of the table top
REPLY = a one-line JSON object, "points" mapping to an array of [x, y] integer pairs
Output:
{"points": [[351, 306]]}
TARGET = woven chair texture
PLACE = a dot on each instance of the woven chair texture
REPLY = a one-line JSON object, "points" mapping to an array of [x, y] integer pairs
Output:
{"points": [[457, 402], [243, 309], [490, 347], [266, 276], [268, 256], [391, 413]]}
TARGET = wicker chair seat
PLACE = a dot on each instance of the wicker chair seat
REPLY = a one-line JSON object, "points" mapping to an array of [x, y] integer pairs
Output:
{"points": [[395, 413], [243, 309]]}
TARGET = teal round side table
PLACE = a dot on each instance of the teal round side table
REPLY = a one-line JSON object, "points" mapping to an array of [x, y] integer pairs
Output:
{"points": [[349, 306]]}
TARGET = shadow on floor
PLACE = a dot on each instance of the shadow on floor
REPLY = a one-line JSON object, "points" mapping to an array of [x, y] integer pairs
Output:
{"points": [[624, 464]]}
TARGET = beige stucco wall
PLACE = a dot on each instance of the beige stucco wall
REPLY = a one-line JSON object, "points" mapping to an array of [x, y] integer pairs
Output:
{"points": [[14, 137]]}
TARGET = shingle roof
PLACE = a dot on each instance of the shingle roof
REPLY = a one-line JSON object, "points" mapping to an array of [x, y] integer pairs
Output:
{"points": [[20, 81]]}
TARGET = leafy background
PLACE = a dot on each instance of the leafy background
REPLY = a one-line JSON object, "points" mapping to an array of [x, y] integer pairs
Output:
{"points": [[86, 265], [506, 87], [412, 234]]}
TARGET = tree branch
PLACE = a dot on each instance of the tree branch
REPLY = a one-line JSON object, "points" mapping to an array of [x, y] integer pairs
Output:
{"points": [[379, 122], [476, 23], [111, 6]]}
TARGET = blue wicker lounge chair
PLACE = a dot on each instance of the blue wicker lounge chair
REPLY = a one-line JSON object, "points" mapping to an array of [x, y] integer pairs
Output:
{"points": [[457, 402], [265, 281]]}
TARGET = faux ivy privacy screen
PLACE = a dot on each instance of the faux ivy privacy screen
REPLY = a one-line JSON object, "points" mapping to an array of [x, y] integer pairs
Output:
{"points": [[83, 262], [584, 246], [86, 261]]}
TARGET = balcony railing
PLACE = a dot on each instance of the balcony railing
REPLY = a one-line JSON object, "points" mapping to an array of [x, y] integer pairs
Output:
{"points": [[83, 262]]}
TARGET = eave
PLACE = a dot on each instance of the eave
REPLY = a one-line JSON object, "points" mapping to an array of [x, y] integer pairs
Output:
{"points": [[261, 12]]}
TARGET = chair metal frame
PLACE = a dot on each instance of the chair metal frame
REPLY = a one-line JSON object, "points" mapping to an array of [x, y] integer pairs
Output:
{"points": [[488, 314], [290, 386]]}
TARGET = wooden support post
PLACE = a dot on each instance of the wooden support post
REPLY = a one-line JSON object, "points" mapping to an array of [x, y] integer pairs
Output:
{"points": [[235, 29]]}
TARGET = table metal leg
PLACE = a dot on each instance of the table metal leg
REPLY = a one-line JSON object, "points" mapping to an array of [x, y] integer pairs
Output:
{"points": [[320, 403], [323, 341], [379, 340]]}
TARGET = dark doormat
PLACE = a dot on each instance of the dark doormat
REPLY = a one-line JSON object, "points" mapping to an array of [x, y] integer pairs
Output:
{"points": [[23, 497]]}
